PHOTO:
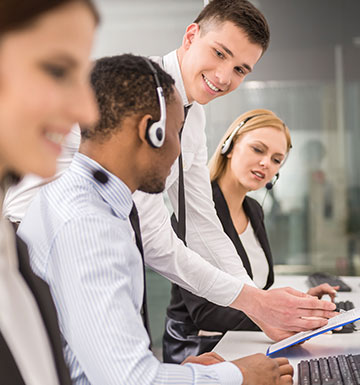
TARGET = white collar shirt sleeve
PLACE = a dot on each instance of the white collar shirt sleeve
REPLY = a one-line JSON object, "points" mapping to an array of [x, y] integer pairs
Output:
{"points": [[80, 242]]}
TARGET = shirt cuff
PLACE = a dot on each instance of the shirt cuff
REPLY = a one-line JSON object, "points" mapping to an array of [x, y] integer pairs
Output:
{"points": [[228, 373]]}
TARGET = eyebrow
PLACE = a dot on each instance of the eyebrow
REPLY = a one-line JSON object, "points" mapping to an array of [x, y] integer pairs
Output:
{"points": [[262, 143], [65, 59], [229, 52]]}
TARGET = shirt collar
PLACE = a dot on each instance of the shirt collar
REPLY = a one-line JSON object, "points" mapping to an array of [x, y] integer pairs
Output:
{"points": [[172, 66], [115, 192]]}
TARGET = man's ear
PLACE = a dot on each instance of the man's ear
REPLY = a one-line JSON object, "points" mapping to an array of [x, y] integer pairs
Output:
{"points": [[142, 127], [191, 31]]}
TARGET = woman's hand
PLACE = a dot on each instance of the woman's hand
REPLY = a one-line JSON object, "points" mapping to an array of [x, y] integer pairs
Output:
{"points": [[323, 289]]}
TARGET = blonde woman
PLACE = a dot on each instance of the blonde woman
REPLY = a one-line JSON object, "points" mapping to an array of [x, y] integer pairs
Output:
{"points": [[248, 157]]}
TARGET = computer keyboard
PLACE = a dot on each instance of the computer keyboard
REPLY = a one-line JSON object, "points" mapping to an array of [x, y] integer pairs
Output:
{"points": [[334, 370], [345, 305], [333, 280]]}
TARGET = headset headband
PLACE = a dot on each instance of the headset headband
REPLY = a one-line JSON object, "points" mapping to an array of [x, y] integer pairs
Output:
{"points": [[227, 145]]}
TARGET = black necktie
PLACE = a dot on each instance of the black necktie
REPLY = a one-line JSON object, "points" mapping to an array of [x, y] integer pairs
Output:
{"points": [[134, 220], [181, 222]]}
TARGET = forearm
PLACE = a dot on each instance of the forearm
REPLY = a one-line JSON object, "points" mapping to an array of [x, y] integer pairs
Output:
{"points": [[166, 254]]}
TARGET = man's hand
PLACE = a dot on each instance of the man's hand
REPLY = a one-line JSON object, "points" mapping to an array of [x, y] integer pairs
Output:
{"points": [[258, 369], [204, 359], [284, 308], [275, 334], [323, 289]]}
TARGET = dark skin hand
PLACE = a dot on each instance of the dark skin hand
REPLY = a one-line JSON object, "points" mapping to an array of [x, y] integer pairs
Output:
{"points": [[257, 369]]}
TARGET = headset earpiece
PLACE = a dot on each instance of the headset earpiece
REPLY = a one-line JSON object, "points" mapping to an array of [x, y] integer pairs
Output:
{"points": [[155, 130]]}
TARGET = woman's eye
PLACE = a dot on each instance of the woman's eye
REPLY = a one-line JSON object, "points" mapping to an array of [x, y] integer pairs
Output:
{"points": [[277, 161], [56, 71], [258, 150]]}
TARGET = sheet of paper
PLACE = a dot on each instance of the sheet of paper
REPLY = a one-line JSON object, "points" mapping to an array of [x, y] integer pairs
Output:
{"points": [[335, 322]]}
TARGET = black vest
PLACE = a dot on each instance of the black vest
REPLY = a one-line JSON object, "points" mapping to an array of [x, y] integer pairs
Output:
{"points": [[198, 312]]}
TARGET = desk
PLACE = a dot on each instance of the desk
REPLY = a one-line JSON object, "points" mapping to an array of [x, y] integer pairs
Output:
{"points": [[236, 344]]}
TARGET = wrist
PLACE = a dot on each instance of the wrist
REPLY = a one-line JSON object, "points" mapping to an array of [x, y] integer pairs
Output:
{"points": [[249, 300]]}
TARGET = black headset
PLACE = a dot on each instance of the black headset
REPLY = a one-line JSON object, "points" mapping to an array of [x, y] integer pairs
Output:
{"points": [[270, 185], [228, 144], [155, 130]]}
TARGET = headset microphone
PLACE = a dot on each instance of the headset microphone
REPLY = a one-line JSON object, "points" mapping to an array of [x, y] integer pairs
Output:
{"points": [[155, 130], [270, 185], [100, 176]]}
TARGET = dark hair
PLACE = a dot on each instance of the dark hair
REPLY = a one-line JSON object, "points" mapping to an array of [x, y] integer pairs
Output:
{"points": [[124, 86], [17, 14], [241, 13]]}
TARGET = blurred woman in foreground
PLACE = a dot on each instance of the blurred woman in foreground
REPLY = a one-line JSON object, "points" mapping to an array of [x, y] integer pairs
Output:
{"points": [[44, 65]]}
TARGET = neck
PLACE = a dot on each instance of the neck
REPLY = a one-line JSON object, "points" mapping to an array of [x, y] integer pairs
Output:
{"points": [[180, 55], [233, 192], [114, 160]]}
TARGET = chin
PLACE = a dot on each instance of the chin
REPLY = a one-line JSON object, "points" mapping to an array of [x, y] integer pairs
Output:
{"points": [[152, 188]]}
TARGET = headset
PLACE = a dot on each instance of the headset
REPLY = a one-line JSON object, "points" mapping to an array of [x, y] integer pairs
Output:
{"points": [[155, 130], [228, 144], [271, 184]]}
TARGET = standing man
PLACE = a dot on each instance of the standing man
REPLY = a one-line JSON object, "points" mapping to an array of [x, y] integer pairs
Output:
{"points": [[80, 239], [218, 50]]}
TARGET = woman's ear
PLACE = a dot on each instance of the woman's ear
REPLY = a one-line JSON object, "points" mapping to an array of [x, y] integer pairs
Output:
{"points": [[191, 31]]}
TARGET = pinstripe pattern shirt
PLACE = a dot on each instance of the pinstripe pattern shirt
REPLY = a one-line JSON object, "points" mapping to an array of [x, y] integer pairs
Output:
{"points": [[80, 242]]}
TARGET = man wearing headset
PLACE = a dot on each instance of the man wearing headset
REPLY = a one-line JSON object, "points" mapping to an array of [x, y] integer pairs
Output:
{"points": [[84, 249], [218, 50]]}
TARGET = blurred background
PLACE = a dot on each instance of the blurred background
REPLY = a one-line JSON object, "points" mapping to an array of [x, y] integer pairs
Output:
{"points": [[310, 77]]}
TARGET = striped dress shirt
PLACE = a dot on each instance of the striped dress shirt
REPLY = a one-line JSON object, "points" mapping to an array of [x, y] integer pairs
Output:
{"points": [[81, 243]]}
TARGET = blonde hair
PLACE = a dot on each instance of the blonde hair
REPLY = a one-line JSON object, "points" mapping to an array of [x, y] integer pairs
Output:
{"points": [[256, 119]]}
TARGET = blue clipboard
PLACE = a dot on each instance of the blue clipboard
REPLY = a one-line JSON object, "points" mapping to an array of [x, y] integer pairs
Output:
{"points": [[334, 323]]}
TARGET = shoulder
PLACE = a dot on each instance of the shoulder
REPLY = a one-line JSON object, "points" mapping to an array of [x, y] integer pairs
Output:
{"points": [[254, 206]]}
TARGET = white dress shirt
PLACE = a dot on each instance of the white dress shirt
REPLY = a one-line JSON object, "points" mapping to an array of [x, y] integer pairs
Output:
{"points": [[80, 242], [210, 266], [19, 196], [191, 267], [21, 324], [257, 258]]}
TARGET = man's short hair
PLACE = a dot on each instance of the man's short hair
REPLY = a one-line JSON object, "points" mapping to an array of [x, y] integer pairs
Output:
{"points": [[124, 86], [241, 13]]}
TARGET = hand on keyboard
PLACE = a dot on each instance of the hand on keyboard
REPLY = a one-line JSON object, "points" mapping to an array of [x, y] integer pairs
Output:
{"points": [[319, 278], [324, 289], [261, 370]]}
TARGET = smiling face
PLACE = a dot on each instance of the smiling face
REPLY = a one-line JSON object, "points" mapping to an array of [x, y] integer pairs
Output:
{"points": [[256, 157], [215, 62], [44, 87]]}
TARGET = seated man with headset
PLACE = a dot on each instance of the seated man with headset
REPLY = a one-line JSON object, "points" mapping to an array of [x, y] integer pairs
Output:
{"points": [[81, 244]]}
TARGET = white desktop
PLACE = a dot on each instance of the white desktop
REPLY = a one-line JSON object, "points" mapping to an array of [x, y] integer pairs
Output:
{"points": [[236, 344]]}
